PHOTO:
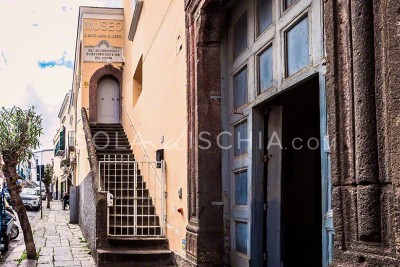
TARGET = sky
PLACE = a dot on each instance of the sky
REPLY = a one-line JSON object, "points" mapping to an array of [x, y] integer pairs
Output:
{"points": [[37, 50]]}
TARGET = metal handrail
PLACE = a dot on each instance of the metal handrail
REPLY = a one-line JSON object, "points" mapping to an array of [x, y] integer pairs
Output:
{"points": [[141, 145]]}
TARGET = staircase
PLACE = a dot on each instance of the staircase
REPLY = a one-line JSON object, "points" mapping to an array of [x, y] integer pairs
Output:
{"points": [[134, 228]]}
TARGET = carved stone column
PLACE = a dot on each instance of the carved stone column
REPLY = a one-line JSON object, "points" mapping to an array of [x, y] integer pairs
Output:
{"points": [[204, 26], [360, 113]]}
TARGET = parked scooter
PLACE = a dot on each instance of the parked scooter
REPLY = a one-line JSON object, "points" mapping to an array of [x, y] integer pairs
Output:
{"points": [[5, 225], [14, 233]]}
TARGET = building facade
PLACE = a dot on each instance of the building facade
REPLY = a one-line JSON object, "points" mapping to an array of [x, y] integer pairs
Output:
{"points": [[64, 144], [268, 130]]}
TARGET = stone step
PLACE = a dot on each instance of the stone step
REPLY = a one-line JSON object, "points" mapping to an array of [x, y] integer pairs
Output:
{"points": [[139, 242], [128, 220], [123, 161], [111, 136], [111, 143], [102, 137], [114, 150], [124, 174], [123, 180], [141, 193], [117, 256], [104, 154], [141, 230], [105, 148], [118, 185], [103, 131], [130, 210], [129, 201], [106, 127]]}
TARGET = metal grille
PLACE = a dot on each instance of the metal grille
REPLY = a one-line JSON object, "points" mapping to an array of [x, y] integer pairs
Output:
{"points": [[137, 193]]}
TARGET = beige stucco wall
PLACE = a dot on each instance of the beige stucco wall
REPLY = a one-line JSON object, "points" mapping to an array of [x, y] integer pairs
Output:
{"points": [[160, 112]]}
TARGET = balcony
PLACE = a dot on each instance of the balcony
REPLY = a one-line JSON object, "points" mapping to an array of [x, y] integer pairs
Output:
{"points": [[71, 141], [21, 174], [60, 146]]}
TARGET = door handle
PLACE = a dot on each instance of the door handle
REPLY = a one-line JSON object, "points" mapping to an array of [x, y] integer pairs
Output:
{"points": [[113, 99], [102, 98]]}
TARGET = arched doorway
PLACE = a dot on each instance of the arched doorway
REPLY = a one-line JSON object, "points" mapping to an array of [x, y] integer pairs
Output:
{"points": [[108, 101]]}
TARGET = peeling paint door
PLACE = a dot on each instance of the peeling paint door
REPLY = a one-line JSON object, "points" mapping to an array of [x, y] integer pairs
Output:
{"points": [[108, 101]]}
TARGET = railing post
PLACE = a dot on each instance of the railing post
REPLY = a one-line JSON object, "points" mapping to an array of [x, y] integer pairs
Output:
{"points": [[99, 175], [134, 198], [163, 197]]}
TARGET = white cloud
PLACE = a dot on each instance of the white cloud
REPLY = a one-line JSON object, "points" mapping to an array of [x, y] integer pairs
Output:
{"points": [[33, 32]]}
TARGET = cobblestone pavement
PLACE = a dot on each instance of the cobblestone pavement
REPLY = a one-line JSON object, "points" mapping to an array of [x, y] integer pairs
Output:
{"points": [[60, 243]]}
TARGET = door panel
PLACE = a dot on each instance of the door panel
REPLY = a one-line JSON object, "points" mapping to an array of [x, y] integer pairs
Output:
{"points": [[241, 195], [327, 223], [108, 102], [274, 186]]}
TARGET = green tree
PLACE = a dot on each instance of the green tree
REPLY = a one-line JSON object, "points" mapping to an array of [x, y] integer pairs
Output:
{"points": [[48, 177], [19, 136]]}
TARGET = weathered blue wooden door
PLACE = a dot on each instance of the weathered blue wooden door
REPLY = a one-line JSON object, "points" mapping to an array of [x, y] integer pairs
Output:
{"points": [[327, 223]]}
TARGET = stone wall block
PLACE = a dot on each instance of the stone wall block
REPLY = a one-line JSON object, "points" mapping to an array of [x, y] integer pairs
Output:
{"points": [[369, 213], [338, 220]]}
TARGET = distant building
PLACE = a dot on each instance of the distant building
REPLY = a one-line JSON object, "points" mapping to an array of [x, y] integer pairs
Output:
{"points": [[40, 159], [24, 170]]}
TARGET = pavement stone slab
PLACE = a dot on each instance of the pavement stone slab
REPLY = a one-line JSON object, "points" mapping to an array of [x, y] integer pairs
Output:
{"points": [[45, 259], [28, 263], [67, 263], [60, 243]]}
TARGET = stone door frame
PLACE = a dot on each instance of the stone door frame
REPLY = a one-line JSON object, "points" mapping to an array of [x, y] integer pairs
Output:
{"points": [[108, 71]]}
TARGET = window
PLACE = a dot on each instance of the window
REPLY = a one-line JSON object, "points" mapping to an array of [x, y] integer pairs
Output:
{"points": [[288, 3], [241, 188], [265, 77], [264, 15], [241, 234], [240, 139], [240, 36], [137, 82], [240, 88], [298, 55]]}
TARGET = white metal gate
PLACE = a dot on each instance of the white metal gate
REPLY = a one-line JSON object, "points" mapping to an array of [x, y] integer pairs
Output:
{"points": [[135, 194]]}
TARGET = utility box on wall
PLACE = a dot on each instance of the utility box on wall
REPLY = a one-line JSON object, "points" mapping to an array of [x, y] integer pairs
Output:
{"points": [[159, 157], [73, 205]]}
